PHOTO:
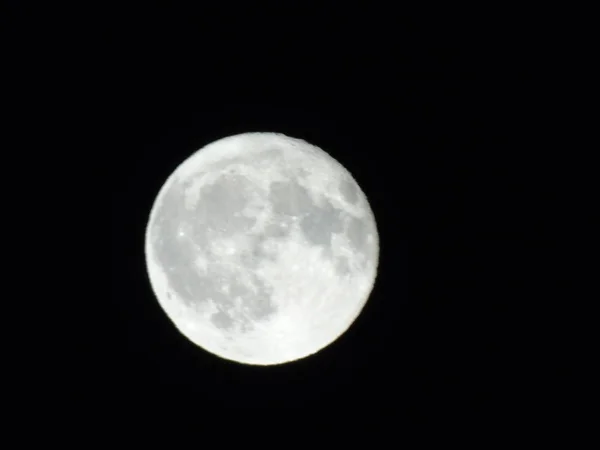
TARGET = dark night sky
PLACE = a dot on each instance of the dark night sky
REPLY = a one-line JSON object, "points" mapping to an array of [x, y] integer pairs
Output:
{"points": [[429, 121], [416, 125]]}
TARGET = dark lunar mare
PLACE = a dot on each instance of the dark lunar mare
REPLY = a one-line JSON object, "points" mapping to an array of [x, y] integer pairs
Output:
{"points": [[216, 207]]}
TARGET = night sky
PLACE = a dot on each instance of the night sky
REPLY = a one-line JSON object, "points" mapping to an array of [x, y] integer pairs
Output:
{"points": [[430, 121]]}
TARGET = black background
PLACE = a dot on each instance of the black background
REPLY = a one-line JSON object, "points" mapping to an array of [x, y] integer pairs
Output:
{"points": [[432, 119]]}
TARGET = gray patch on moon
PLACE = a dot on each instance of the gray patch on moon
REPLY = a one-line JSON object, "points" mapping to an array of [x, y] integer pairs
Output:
{"points": [[349, 190], [319, 225], [260, 305], [256, 253], [219, 202], [342, 266], [174, 255], [356, 231], [177, 256], [251, 258], [222, 320], [278, 230], [254, 306], [289, 198]]}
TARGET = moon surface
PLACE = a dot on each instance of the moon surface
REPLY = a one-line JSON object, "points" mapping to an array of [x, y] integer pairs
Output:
{"points": [[261, 248]]}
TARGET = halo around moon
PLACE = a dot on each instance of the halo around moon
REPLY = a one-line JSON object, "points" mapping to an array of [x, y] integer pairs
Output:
{"points": [[261, 248]]}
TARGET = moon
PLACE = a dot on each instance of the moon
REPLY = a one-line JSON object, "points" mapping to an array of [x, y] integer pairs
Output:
{"points": [[261, 248]]}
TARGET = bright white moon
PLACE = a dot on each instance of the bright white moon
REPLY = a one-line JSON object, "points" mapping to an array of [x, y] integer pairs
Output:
{"points": [[261, 248]]}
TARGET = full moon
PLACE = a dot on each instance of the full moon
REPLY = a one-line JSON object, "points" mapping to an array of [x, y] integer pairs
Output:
{"points": [[261, 248]]}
